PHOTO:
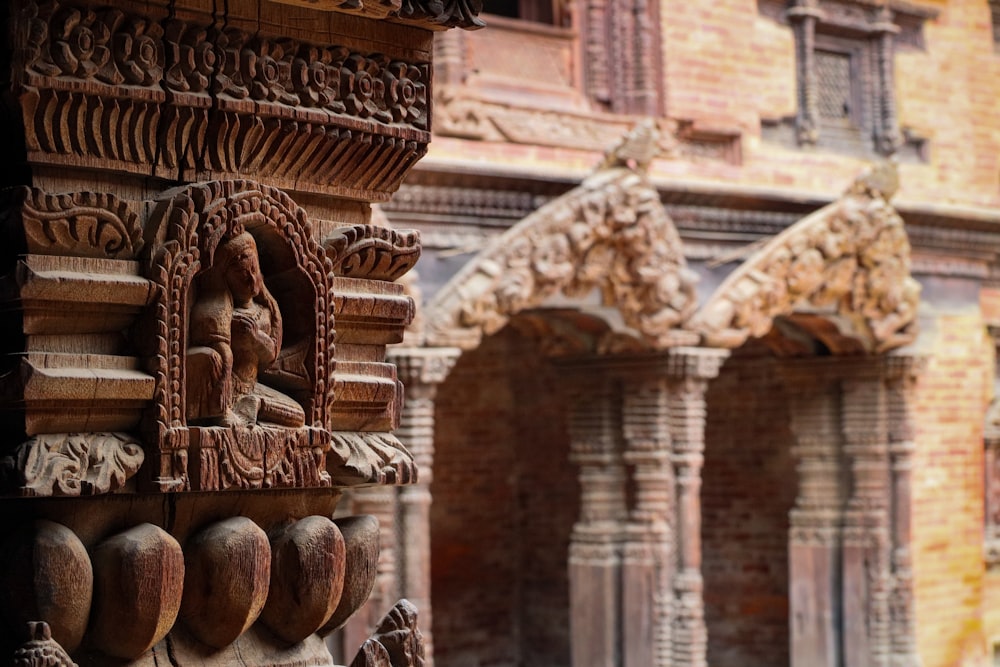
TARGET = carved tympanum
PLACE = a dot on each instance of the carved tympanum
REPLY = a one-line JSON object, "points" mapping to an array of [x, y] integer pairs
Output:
{"points": [[843, 273], [611, 233]]}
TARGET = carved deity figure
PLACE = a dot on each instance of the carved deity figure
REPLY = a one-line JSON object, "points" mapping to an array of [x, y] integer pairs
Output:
{"points": [[235, 334]]}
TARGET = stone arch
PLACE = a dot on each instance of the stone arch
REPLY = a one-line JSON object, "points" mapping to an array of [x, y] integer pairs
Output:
{"points": [[610, 234], [184, 231], [841, 274]]}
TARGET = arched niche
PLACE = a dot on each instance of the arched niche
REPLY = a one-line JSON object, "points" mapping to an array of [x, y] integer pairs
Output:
{"points": [[610, 235], [840, 276], [183, 236]]}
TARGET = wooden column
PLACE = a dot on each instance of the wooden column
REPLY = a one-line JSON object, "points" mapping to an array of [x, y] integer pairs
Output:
{"points": [[421, 370], [815, 534], [803, 16], [887, 136], [595, 558], [866, 550], [647, 566], [901, 375], [690, 371]]}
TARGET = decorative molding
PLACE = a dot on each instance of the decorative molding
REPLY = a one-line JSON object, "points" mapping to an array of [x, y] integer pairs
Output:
{"points": [[192, 98], [611, 233], [848, 265], [74, 464], [373, 252]]}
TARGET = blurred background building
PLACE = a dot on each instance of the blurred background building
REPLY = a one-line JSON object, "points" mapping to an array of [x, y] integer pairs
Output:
{"points": [[796, 463]]}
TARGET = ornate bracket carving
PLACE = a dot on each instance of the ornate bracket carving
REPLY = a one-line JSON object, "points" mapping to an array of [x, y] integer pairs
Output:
{"points": [[843, 271], [397, 641]]}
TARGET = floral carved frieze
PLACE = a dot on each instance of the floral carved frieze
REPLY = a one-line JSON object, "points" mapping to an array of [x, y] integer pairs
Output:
{"points": [[610, 234], [175, 97], [73, 464], [844, 270]]}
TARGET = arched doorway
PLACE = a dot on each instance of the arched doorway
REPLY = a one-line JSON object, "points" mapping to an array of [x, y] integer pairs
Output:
{"points": [[505, 501]]}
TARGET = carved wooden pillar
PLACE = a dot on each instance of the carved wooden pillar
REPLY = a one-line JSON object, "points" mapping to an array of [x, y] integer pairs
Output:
{"points": [[647, 559], [803, 16], [815, 534], [902, 371], [421, 370], [887, 137], [690, 371], [595, 558], [866, 549]]}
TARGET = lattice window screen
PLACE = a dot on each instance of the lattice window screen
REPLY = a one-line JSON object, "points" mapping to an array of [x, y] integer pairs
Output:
{"points": [[833, 74]]}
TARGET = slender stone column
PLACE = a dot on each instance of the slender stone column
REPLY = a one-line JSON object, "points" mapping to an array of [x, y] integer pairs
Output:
{"points": [[815, 521], [803, 16], [866, 550], [595, 557], [421, 370], [901, 372], [690, 370]]}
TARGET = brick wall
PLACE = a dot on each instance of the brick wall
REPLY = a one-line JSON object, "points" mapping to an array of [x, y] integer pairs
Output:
{"points": [[748, 488], [728, 67], [948, 490], [505, 499]]}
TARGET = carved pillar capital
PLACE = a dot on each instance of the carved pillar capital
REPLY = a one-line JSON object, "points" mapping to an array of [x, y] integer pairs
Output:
{"points": [[423, 365]]}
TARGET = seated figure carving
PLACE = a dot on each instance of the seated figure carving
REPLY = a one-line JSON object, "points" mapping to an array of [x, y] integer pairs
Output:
{"points": [[235, 334]]}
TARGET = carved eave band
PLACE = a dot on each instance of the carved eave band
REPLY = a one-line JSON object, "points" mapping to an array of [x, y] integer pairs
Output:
{"points": [[842, 274], [183, 100], [610, 234], [430, 14]]}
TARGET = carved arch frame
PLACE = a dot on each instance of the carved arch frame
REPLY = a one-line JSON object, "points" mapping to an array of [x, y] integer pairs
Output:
{"points": [[186, 228]]}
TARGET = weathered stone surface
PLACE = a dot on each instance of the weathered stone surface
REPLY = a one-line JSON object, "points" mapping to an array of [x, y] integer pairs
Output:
{"points": [[307, 577], [226, 580], [139, 580], [47, 574]]}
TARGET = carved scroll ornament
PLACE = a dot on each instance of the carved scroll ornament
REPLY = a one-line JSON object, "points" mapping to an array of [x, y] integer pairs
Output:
{"points": [[611, 233], [83, 224], [848, 263], [373, 252]]}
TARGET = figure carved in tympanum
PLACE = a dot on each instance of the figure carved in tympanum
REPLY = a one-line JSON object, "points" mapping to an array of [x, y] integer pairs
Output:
{"points": [[235, 335]]}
